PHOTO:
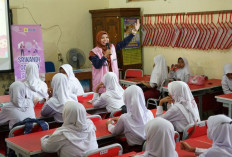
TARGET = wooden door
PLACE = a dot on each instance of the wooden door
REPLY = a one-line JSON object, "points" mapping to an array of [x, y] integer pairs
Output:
{"points": [[113, 28], [98, 24]]}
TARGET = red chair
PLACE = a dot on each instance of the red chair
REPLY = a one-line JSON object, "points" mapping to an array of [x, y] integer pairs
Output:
{"points": [[94, 118], [195, 130], [131, 73], [116, 113], [177, 136], [107, 151]]}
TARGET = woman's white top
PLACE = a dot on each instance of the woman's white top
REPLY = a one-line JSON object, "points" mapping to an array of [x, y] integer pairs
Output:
{"points": [[34, 83], [159, 139], [159, 73], [112, 99], [75, 86], [75, 137], [20, 106], [226, 82], [132, 124]]}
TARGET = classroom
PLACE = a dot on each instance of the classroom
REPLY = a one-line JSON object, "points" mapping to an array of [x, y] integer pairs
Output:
{"points": [[106, 78]]}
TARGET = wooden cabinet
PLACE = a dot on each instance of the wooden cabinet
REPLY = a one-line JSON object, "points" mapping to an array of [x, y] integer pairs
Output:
{"points": [[110, 20]]}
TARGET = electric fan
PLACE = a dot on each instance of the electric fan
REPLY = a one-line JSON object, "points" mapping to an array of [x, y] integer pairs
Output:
{"points": [[76, 58]]}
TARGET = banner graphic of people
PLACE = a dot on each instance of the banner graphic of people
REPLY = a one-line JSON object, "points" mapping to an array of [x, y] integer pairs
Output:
{"points": [[27, 45]]}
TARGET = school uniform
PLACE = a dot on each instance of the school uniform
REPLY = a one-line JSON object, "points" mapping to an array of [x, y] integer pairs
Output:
{"points": [[20, 106], [132, 123], [219, 131], [184, 110], [34, 83], [226, 82], [74, 84], [159, 139], [61, 94], [75, 137], [112, 99]]}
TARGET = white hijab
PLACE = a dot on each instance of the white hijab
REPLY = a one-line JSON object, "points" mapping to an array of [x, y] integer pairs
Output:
{"points": [[113, 88], [33, 80], [76, 128], [184, 100], [137, 114], [74, 83], [220, 132], [227, 68], [159, 72], [60, 92], [20, 96], [180, 73], [160, 139], [225, 79]]}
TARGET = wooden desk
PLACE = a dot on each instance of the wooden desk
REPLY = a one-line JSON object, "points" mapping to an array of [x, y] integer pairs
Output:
{"points": [[132, 81], [210, 86], [226, 99], [30, 144]]}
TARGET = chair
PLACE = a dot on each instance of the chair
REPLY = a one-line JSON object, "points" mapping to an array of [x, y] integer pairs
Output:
{"points": [[195, 130], [107, 151], [131, 73], [116, 113], [94, 118], [49, 67]]}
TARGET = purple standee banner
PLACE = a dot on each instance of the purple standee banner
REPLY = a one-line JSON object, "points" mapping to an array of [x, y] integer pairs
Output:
{"points": [[27, 47]]}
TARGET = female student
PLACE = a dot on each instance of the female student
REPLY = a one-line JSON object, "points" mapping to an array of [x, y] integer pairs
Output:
{"points": [[227, 79], [75, 137], [159, 139], [112, 99], [74, 84], [183, 110], [54, 106], [132, 123], [20, 106], [104, 58], [34, 83], [219, 131], [159, 77], [181, 71]]}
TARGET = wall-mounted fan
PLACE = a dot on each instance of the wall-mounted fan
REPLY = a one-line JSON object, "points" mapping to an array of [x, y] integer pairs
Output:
{"points": [[76, 58]]}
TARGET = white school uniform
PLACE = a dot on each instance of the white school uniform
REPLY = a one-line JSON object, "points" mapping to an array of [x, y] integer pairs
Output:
{"points": [[20, 106], [219, 131], [75, 137], [34, 83], [54, 106], [112, 99], [74, 84], [159, 72], [226, 82], [184, 110], [132, 123], [159, 139]]}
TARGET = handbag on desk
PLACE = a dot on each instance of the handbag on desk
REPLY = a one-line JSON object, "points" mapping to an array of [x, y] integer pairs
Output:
{"points": [[197, 79]]}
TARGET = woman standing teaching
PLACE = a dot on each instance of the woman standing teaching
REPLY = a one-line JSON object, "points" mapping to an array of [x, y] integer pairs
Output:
{"points": [[104, 57]]}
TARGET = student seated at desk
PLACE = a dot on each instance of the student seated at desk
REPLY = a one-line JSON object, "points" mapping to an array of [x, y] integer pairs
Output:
{"points": [[112, 99], [159, 75], [33, 82], [132, 123], [180, 71], [227, 79], [220, 132], [183, 110], [75, 137], [159, 139], [74, 84], [54, 106], [20, 106]]}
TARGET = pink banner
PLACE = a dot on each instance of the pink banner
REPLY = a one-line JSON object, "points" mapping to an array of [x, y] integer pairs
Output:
{"points": [[27, 47]]}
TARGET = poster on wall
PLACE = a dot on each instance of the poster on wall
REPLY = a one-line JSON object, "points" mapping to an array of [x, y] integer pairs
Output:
{"points": [[128, 25], [27, 47]]}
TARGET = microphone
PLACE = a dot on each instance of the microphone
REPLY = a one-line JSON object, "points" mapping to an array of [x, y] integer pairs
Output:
{"points": [[107, 45]]}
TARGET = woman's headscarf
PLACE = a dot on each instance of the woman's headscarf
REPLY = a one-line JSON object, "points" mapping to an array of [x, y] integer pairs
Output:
{"points": [[76, 128], [60, 92], [113, 88], [98, 39], [160, 138], [184, 71], [33, 80], [184, 100], [74, 84], [159, 72], [220, 132], [227, 68]]}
